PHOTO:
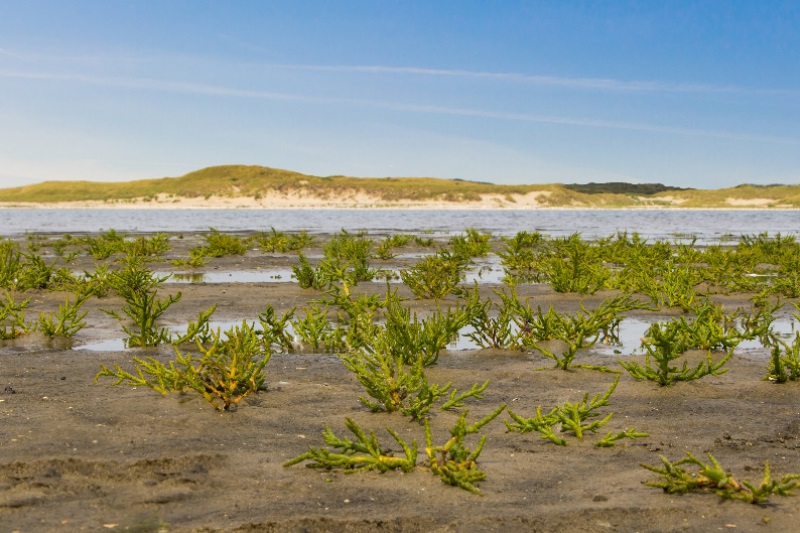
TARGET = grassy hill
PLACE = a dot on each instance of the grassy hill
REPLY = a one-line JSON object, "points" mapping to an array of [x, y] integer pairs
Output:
{"points": [[256, 182]]}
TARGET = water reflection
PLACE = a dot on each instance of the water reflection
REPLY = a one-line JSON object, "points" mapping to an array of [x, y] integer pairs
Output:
{"points": [[489, 272], [230, 276], [629, 337]]}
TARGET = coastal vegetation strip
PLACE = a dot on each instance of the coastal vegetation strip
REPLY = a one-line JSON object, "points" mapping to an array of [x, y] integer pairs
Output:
{"points": [[263, 186]]}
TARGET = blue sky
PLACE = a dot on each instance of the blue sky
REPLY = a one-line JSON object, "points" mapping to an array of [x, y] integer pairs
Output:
{"points": [[699, 94]]}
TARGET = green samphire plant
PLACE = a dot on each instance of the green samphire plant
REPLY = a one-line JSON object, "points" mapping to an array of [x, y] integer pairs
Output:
{"points": [[225, 372], [674, 479], [435, 276], [784, 362], [397, 385], [575, 331], [520, 258], [487, 331], [12, 318], [454, 462], [196, 259], [385, 249], [364, 453], [314, 331], [220, 244], [472, 244], [138, 285], [105, 244], [275, 329], [710, 329], [673, 285], [756, 322], [666, 343], [573, 418], [575, 266], [281, 242], [424, 339], [338, 273], [67, 321]]}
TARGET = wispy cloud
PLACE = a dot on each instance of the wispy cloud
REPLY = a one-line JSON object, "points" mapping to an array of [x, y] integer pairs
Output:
{"points": [[250, 47], [539, 80], [232, 92], [597, 84], [160, 85], [592, 123], [17, 56]]}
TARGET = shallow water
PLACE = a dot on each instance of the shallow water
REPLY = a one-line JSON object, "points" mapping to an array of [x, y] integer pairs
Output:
{"points": [[486, 273], [631, 331], [629, 337], [117, 344], [231, 276], [630, 334], [708, 226]]}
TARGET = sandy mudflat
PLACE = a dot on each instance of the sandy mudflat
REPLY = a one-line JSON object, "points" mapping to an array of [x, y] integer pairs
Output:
{"points": [[80, 456]]}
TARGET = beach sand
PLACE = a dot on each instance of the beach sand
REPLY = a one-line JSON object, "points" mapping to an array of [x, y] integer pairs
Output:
{"points": [[76, 455]]}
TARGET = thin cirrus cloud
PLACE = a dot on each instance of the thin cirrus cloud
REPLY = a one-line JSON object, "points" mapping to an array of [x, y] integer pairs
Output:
{"points": [[599, 84], [576, 83], [232, 92]]}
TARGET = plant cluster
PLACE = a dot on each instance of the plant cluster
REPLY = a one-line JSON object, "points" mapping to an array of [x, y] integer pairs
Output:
{"points": [[226, 371], [355, 456], [220, 244], [386, 247], [574, 418], [784, 364], [344, 265], [489, 331], [472, 244], [389, 348], [138, 286], [454, 462], [23, 271], [574, 331], [196, 259], [280, 242], [275, 329], [670, 274], [664, 344], [65, 322], [674, 479], [574, 265], [113, 242], [12, 318], [395, 385], [435, 276], [711, 329], [756, 322], [522, 258], [413, 338], [315, 332]]}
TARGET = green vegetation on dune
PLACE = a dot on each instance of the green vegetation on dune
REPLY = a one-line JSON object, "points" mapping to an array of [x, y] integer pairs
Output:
{"points": [[741, 195], [617, 187], [256, 182]]}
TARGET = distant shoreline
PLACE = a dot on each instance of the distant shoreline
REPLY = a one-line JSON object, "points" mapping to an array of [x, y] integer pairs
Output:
{"points": [[256, 187], [250, 205]]}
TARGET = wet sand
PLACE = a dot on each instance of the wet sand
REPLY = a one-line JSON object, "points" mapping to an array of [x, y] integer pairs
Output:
{"points": [[82, 456]]}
